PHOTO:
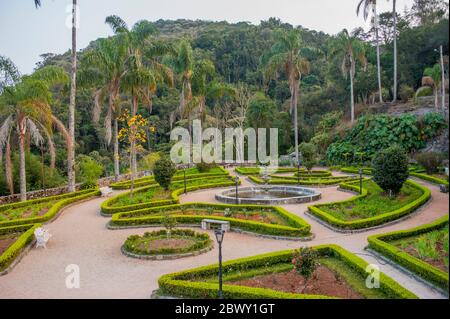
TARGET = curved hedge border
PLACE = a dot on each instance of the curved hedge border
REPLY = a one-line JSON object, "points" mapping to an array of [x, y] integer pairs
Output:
{"points": [[179, 284], [257, 170], [66, 199], [107, 209], [429, 178], [202, 244], [19, 245], [308, 182], [297, 227], [312, 174], [380, 243], [149, 180], [371, 221]]}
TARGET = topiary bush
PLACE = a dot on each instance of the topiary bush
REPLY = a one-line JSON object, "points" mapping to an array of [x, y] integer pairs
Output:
{"points": [[164, 171], [430, 161], [309, 155], [390, 169]]}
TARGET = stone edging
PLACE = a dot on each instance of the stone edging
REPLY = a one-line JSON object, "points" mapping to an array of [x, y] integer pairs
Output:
{"points": [[18, 258], [407, 271], [168, 256], [236, 230]]}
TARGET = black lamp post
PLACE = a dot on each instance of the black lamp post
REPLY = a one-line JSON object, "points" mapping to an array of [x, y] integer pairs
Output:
{"points": [[219, 237], [236, 180], [298, 172], [184, 171], [360, 179]]}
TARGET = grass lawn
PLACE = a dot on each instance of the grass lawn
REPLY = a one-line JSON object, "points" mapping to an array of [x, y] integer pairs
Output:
{"points": [[431, 247], [375, 203]]}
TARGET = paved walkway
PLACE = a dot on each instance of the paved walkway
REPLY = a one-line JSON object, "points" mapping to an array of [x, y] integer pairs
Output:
{"points": [[80, 237]]}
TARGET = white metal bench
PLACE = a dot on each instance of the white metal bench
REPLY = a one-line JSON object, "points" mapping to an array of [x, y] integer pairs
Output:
{"points": [[42, 236], [224, 225], [106, 191]]}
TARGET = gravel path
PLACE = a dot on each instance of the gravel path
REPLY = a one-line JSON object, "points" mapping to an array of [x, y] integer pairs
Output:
{"points": [[80, 237]]}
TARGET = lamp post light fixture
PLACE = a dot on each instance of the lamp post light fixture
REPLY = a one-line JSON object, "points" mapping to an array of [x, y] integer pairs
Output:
{"points": [[360, 179], [219, 237], [236, 180], [298, 172]]}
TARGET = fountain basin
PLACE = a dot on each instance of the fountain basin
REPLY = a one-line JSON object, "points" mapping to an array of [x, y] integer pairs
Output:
{"points": [[269, 195]]}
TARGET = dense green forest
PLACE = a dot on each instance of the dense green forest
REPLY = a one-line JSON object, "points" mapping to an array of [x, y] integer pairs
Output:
{"points": [[231, 75]]}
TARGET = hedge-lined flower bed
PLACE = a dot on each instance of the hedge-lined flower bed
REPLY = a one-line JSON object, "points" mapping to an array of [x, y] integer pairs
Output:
{"points": [[430, 178], [380, 243], [191, 173], [258, 171], [294, 227], [108, 207], [14, 250], [62, 201], [326, 181], [318, 211], [313, 174], [187, 284], [140, 245]]}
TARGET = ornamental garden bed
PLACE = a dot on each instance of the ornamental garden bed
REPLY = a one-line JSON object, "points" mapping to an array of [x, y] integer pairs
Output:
{"points": [[422, 250], [439, 179], [13, 241], [191, 173], [340, 275], [167, 245], [264, 220], [290, 180], [258, 170], [154, 196], [371, 208], [41, 209]]}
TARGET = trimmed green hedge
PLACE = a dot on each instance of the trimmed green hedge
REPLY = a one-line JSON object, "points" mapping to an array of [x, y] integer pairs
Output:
{"points": [[150, 180], [429, 178], [297, 227], [181, 285], [380, 243], [257, 170], [310, 182], [355, 170], [18, 246], [66, 199], [372, 221], [312, 174], [174, 199], [202, 241]]}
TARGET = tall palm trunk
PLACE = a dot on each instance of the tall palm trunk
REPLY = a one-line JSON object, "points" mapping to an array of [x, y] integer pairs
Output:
{"points": [[352, 99], [294, 108], [73, 81], [378, 53], [394, 11], [133, 163], [436, 103], [116, 148], [22, 172]]}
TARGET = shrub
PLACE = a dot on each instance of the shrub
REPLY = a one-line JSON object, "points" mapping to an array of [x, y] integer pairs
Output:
{"points": [[88, 171], [406, 92], [169, 223], [430, 161], [164, 171], [147, 163], [204, 167], [305, 261], [390, 169], [309, 154]]}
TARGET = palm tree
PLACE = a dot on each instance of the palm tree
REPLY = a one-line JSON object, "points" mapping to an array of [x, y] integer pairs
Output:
{"points": [[140, 80], [105, 67], [25, 106], [350, 49], [394, 17], [202, 70], [72, 101], [367, 5], [286, 55], [432, 78]]}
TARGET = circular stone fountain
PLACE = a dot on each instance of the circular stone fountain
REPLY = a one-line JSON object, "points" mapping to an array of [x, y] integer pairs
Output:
{"points": [[269, 195]]}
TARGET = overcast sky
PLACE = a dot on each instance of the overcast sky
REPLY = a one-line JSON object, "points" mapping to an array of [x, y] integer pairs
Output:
{"points": [[26, 32]]}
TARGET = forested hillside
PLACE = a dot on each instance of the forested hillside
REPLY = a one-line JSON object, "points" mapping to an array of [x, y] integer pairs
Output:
{"points": [[236, 77]]}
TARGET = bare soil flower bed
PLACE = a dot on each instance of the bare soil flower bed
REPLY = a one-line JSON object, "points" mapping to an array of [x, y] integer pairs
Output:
{"points": [[323, 282], [6, 241]]}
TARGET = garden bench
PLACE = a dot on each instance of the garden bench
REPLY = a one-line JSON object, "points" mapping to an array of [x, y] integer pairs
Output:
{"points": [[106, 191], [224, 225], [42, 236]]}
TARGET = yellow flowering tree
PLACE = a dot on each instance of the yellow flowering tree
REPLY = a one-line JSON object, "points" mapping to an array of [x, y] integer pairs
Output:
{"points": [[133, 133]]}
